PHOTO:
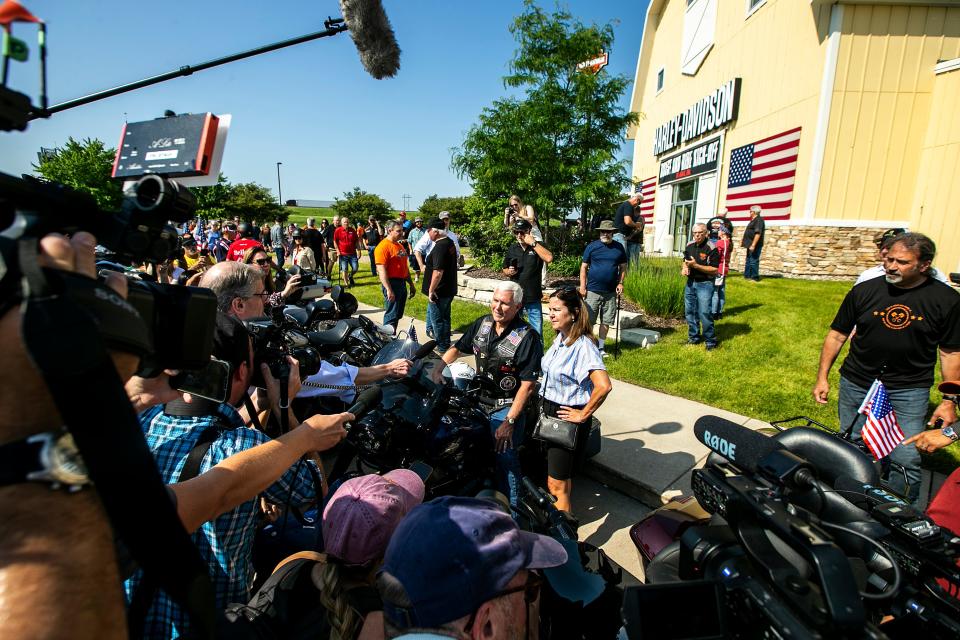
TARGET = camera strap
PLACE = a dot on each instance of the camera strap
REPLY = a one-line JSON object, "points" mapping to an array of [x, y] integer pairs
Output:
{"points": [[64, 342]]}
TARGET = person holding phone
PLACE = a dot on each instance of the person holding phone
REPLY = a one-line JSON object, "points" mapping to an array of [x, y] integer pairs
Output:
{"points": [[524, 264], [700, 264], [258, 257]]}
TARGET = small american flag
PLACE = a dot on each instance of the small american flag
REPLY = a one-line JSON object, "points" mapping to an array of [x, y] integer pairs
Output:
{"points": [[648, 189], [763, 173], [412, 332], [881, 433]]}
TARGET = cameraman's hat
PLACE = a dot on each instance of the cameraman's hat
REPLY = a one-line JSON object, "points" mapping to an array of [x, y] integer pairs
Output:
{"points": [[521, 225]]}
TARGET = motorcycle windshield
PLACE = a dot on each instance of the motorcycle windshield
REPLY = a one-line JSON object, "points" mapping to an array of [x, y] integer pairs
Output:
{"points": [[430, 371]]}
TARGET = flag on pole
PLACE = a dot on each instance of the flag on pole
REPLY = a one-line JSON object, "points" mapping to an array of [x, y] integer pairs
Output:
{"points": [[15, 48], [881, 433], [12, 11]]}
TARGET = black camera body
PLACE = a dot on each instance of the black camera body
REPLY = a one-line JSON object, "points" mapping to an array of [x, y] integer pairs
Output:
{"points": [[273, 341]]}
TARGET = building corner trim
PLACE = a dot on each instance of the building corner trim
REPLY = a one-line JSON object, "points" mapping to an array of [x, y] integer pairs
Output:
{"points": [[823, 111]]}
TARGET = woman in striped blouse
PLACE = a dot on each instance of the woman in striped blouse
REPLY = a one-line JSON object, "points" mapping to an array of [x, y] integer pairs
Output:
{"points": [[575, 384]]}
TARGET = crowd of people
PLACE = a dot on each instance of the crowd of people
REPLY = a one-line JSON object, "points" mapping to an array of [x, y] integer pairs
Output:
{"points": [[394, 565]]}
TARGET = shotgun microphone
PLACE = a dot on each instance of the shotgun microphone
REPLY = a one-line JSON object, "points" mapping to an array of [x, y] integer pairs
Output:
{"points": [[366, 401], [372, 34]]}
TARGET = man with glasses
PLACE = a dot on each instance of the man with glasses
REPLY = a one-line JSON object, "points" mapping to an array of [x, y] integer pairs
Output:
{"points": [[426, 590], [700, 264], [524, 265], [239, 288]]}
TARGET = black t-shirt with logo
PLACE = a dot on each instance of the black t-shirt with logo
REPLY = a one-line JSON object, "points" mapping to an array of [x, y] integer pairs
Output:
{"points": [[372, 236], [443, 256], [706, 254], [898, 331], [529, 351], [529, 271]]}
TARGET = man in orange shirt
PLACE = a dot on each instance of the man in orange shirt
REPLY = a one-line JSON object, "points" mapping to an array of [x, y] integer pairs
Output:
{"points": [[393, 269]]}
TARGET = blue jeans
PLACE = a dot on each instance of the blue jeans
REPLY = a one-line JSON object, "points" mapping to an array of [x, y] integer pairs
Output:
{"points": [[633, 251], [351, 262], [280, 256], [719, 298], [438, 322], [508, 462], [751, 268], [697, 299], [394, 309], [534, 311], [910, 405], [373, 265]]}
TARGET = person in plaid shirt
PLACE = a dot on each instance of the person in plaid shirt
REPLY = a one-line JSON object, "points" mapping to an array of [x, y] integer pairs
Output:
{"points": [[172, 431]]}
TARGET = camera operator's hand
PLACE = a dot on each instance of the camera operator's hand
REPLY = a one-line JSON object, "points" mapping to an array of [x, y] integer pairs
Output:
{"points": [[273, 385], [292, 285], [147, 392], [327, 430], [399, 368]]}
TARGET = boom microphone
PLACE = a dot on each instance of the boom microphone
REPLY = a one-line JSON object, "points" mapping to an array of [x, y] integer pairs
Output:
{"points": [[373, 35]]}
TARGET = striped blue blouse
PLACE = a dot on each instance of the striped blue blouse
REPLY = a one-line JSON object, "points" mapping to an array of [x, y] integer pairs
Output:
{"points": [[566, 371]]}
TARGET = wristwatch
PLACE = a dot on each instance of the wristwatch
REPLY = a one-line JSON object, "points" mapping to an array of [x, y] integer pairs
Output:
{"points": [[951, 397], [950, 433], [511, 421], [51, 457]]}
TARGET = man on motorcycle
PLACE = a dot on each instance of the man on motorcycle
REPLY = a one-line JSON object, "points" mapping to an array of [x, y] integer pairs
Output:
{"points": [[507, 354]]}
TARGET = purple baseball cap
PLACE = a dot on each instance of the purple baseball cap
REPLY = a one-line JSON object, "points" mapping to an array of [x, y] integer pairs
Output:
{"points": [[363, 513], [453, 554]]}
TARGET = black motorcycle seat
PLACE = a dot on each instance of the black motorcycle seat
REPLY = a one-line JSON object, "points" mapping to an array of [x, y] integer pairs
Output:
{"points": [[298, 315], [831, 456], [332, 337]]}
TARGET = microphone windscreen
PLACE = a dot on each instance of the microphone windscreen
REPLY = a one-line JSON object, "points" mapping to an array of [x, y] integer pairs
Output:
{"points": [[736, 443], [367, 400], [424, 350], [372, 34]]}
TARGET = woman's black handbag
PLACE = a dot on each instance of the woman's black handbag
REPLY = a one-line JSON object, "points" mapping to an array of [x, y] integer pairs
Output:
{"points": [[560, 433]]}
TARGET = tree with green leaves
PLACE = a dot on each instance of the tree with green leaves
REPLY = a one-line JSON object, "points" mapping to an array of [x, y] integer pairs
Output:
{"points": [[358, 205], [555, 146], [84, 166], [433, 205], [251, 201], [212, 200]]}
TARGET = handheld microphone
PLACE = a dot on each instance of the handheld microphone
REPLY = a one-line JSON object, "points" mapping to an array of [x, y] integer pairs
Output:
{"points": [[372, 34], [365, 401], [424, 350]]}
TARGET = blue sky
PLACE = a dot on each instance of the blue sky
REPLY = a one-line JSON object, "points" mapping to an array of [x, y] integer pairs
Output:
{"points": [[311, 106]]}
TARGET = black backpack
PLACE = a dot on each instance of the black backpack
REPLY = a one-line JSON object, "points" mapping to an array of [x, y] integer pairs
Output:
{"points": [[288, 607]]}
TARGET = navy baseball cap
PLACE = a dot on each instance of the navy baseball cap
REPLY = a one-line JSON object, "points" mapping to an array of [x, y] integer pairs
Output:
{"points": [[452, 554]]}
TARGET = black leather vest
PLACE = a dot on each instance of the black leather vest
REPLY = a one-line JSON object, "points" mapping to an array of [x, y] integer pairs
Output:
{"points": [[497, 366]]}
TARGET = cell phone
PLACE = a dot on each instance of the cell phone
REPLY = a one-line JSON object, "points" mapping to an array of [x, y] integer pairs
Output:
{"points": [[211, 382], [422, 469], [204, 252]]}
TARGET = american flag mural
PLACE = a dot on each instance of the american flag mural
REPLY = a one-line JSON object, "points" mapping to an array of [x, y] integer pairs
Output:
{"points": [[648, 188], [763, 173]]}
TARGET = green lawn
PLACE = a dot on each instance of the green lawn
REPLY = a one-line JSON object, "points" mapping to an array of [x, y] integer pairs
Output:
{"points": [[299, 215], [765, 367]]}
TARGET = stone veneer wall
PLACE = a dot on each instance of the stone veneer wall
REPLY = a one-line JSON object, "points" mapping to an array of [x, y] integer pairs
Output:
{"points": [[817, 253]]}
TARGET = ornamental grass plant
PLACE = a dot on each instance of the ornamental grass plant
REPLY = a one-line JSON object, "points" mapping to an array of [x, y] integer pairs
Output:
{"points": [[655, 284]]}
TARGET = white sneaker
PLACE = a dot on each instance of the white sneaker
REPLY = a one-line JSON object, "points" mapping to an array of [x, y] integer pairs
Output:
{"points": [[604, 354]]}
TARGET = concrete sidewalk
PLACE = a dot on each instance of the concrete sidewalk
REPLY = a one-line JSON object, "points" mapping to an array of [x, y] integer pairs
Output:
{"points": [[648, 447]]}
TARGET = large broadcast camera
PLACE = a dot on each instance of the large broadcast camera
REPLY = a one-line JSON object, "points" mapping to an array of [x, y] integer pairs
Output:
{"points": [[798, 547]]}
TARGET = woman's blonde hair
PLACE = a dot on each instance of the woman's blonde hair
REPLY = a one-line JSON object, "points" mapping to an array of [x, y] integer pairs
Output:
{"points": [[574, 303], [345, 621]]}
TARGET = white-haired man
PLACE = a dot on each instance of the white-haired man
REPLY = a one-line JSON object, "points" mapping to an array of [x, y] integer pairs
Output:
{"points": [[508, 355], [753, 242]]}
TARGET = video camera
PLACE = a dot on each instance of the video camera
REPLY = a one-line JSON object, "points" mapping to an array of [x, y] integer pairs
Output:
{"points": [[274, 340], [789, 555]]}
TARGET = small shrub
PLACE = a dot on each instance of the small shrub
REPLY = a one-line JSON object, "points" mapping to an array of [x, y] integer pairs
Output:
{"points": [[655, 284], [565, 266]]}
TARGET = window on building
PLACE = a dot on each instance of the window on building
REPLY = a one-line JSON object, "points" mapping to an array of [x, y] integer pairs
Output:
{"points": [[660, 80], [753, 5], [699, 28]]}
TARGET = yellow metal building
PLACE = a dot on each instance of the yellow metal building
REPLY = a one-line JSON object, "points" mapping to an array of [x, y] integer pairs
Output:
{"points": [[838, 118]]}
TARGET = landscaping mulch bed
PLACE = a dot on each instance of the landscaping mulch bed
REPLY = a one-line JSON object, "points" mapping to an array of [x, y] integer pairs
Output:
{"points": [[652, 322]]}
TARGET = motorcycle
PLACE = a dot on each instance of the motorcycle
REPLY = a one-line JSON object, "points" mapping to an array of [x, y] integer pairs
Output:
{"points": [[430, 416]]}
